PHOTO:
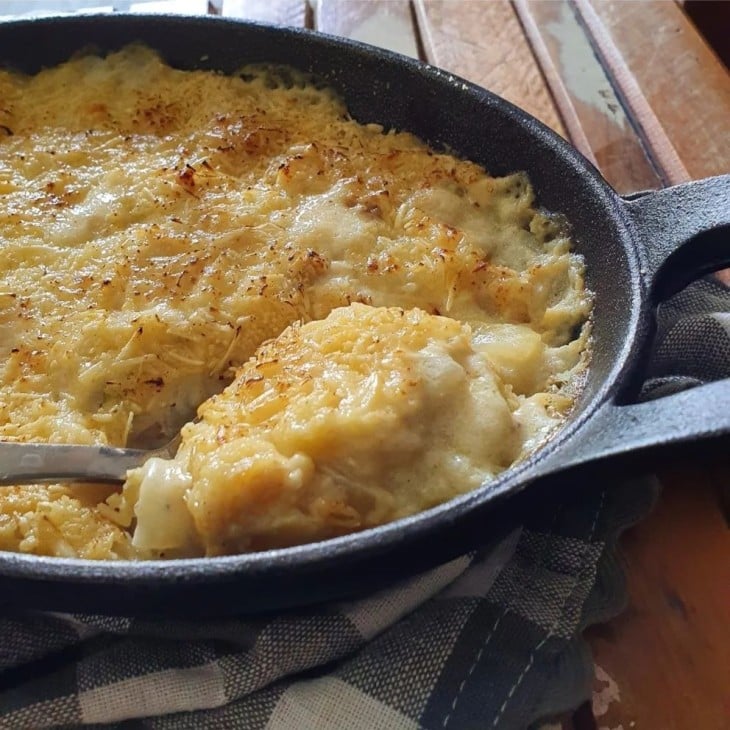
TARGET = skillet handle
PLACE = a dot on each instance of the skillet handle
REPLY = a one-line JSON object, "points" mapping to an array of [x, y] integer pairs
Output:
{"points": [[623, 432], [684, 232]]}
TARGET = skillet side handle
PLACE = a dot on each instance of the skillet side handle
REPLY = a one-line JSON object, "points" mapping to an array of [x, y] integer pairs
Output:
{"points": [[684, 232], [626, 432]]}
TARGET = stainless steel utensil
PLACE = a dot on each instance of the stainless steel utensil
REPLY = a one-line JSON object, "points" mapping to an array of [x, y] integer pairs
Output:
{"points": [[31, 463]]}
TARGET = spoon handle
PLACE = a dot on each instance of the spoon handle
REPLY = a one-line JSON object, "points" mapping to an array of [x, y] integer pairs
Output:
{"points": [[28, 463]]}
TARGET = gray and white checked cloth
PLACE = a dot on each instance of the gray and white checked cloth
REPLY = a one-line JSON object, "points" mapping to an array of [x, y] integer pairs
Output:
{"points": [[489, 640]]}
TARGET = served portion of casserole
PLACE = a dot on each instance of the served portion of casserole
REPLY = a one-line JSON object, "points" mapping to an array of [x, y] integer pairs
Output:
{"points": [[394, 326]]}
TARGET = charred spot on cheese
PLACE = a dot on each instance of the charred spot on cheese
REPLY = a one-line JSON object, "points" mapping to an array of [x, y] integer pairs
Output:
{"points": [[158, 226]]}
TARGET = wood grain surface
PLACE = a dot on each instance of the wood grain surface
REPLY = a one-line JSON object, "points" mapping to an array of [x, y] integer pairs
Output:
{"points": [[484, 43], [665, 661], [683, 81], [586, 95]]}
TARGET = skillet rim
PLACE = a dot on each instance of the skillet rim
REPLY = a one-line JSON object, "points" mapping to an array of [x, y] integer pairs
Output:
{"points": [[406, 531]]}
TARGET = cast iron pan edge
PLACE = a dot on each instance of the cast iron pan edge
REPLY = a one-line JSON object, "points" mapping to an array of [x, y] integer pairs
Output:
{"points": [[435, 108]]}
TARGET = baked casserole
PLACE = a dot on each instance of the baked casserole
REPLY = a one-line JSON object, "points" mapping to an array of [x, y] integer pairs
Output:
{"points": [[372, 326]]}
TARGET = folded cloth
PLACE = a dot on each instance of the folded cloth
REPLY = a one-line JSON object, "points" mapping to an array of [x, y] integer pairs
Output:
{"points": [[491, 639]]}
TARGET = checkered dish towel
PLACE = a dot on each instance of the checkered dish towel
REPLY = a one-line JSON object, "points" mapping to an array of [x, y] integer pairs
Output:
{"points": [[491, 639]]}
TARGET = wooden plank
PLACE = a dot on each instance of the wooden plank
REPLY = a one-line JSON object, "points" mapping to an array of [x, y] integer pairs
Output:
{"points": [[484, 43], [683, 81], [665, 661], [594, 114], [292, 13], [384, 23]]}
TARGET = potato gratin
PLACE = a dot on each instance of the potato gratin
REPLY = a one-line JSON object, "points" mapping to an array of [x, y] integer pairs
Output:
{"points": [[372, 327]]}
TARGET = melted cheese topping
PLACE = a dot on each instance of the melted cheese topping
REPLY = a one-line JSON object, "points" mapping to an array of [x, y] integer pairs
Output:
{"points": [[371, 414], [157, 225]]}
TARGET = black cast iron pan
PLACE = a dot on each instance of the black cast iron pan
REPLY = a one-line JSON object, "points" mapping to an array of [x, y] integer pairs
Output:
{"points": [[637, 252]]}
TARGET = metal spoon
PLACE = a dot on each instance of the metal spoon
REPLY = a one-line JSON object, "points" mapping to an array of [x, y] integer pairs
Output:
{"points": [[30, 463]]}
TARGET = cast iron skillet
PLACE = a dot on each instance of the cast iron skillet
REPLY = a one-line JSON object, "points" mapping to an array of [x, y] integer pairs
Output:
{"points": [[637, 253]]}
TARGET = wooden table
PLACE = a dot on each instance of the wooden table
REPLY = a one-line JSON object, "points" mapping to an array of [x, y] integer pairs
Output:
{"points": [[635, 87]]}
